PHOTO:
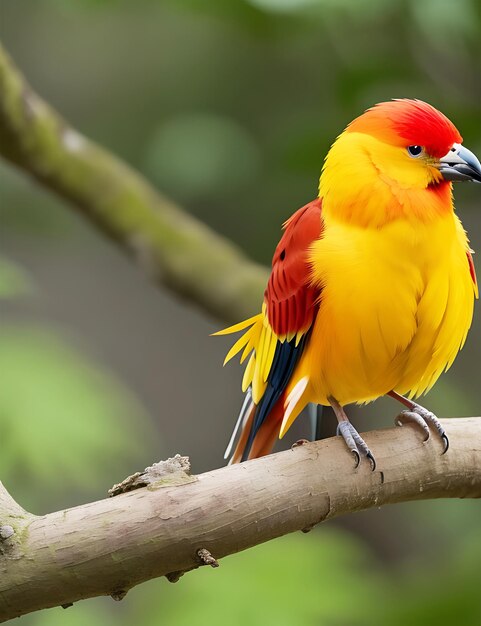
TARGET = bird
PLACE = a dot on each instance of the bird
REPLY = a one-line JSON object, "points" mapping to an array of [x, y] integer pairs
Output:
{"points": [[372, 286]]}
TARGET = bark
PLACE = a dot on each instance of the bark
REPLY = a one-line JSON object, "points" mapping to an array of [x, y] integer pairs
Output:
{"points": [[171, 522]]}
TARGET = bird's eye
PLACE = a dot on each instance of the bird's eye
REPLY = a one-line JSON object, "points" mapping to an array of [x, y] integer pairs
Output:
{"points": [[415, 151]]}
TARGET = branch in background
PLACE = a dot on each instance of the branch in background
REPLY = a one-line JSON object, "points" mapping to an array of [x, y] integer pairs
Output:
{"points": [[179, 522], [177, 250]]}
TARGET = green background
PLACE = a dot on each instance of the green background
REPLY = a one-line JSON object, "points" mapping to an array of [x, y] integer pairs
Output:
{"points": [[228, 106]]}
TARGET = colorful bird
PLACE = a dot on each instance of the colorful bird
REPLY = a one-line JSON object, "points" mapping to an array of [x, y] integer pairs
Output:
{"points": [[372, 286]]}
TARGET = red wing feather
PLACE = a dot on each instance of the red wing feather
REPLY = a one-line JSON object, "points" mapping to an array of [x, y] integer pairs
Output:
{"points": [[472, 271], [289, 296]]}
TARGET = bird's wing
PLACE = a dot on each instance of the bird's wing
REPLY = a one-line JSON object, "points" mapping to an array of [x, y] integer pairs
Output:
{"points": [[290, 298], [275, 338]]}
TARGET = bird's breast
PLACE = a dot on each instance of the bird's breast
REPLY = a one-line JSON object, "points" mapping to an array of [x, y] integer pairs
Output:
{"points": [[396, 304]]}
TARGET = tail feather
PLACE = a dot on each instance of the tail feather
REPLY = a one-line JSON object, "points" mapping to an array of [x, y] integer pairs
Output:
{"points": [[244, 435], [260, 342], [315, 419], [268, 433], [241, 420], [254, 442]]}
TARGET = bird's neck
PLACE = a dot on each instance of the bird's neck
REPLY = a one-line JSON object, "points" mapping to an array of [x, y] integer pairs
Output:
{"points": [[366, 207], [369, 183]]}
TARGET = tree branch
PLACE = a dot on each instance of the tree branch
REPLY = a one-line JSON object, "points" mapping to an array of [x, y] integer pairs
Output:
{"points": [[179, 522], [177, 250]]}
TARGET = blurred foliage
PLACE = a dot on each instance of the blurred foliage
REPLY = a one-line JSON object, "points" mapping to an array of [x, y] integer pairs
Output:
{"points": [[293, 580], [229, 107], [446, 594], [64, 421], [192, 155], [14, 281]]}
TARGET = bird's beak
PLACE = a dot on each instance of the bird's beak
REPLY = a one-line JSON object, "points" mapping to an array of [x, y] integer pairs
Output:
{"points": [[460, 164]]}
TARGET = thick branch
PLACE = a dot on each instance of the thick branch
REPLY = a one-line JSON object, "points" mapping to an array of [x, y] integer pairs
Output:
{"points": [[180, 522], [12, 522], [177, 250]]}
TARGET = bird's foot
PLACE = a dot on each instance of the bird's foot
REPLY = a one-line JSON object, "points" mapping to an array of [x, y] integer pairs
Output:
{"points": [[355, 443], [423, 418], [353, 439]]}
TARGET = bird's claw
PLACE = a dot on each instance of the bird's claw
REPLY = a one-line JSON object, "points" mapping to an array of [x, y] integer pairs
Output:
{"points": [[445, 439], [406, 417], [355, 443], [357, 458], [372, 460], [424, 419]]}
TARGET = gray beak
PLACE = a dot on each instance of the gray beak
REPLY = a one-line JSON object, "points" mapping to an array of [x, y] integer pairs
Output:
{"points": [[460, 164]]}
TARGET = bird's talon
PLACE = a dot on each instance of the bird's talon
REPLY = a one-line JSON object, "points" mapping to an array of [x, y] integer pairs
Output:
{"points": [[423, 418], [357, 456], [415, 418], [372, 461], [445, 439]]}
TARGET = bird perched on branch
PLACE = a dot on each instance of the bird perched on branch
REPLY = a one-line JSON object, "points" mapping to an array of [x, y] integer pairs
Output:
{"points": [[372, 286]]}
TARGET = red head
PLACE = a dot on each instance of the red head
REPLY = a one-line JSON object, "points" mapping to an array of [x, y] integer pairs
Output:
{"points": [[395, 161], [409, 122]]}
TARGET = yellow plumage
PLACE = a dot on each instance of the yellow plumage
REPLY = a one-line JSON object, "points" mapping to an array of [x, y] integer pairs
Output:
{"points": [[260, 342], [391, 269], [411, 307]]}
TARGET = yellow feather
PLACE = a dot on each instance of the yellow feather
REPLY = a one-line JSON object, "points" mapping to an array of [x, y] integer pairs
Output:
{"points": [[299, 336], [249, 371], [257, 381], [267, 363], [245, 354], [258, 386], [263, 354], [249, 347], [237, 347], [240, 326]]}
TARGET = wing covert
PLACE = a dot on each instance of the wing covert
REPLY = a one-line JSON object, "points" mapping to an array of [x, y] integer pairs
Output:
{"points": [[290, 298]]}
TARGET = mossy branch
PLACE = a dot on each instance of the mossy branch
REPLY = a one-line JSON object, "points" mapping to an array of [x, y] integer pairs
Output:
{"points": [[177, 250]]}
